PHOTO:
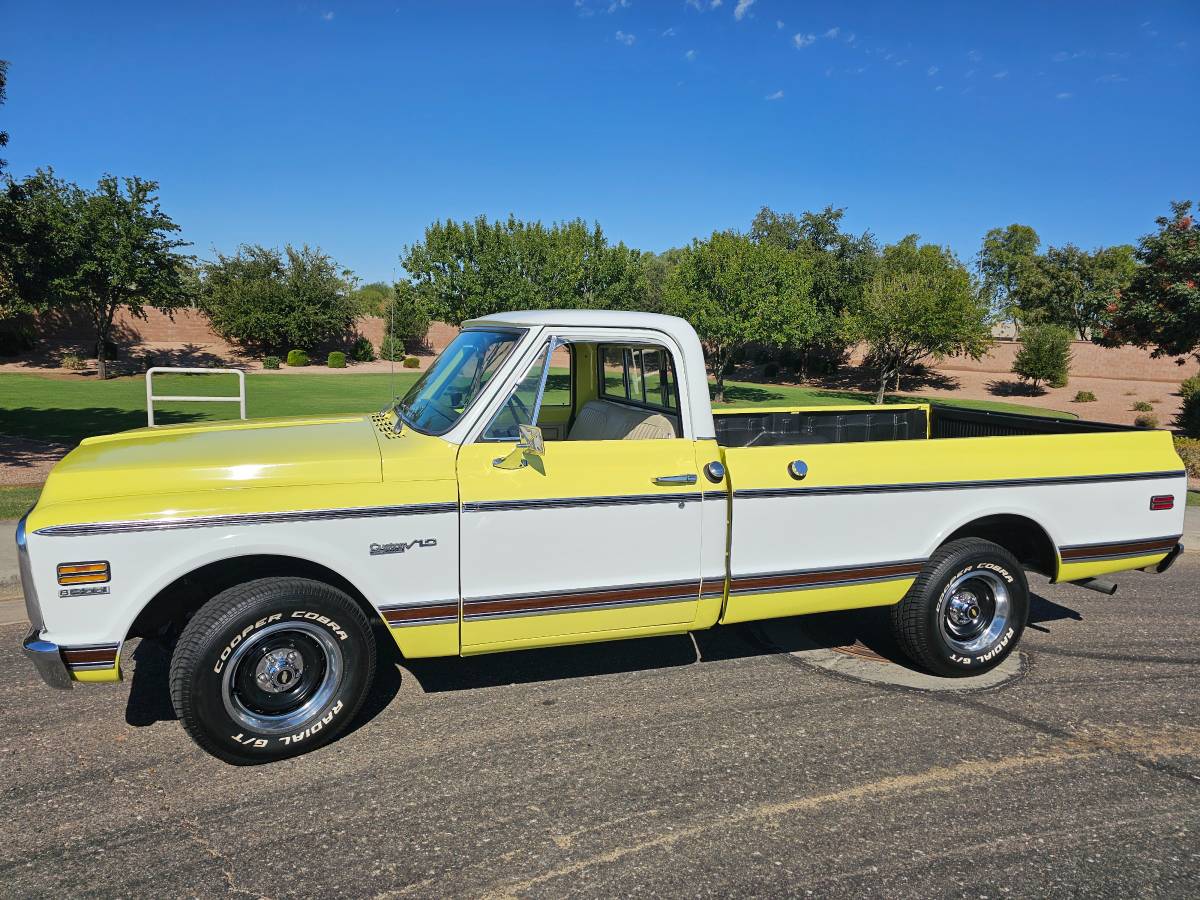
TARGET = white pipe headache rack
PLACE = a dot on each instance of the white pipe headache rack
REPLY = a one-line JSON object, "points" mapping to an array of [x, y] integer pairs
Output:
{"points": [[240, 399]]}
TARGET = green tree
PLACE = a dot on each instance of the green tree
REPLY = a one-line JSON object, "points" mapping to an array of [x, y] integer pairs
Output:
{"points": [[841, 265], [656, 272], [470, 269], [736, 292], [119, 252], [275, 301], [920, 304], [1045, 355], [1161, 306], [1005, 264], [36, 228], [372, 299], [1072, 287], [408, 317]]}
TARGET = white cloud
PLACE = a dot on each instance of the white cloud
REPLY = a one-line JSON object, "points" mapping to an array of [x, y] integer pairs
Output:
{"points": [[584, 9], [690, 56], [852, 39], [938, 88], [327, 16], [619, 4], [1111, 78], [778, 95], [670, 32], [932, 70], [626, 39], [1003, 73], [779, 24], [802, 40], [970, 73], [1063, 95], [833, 32], [743, 7], [974, 56]]}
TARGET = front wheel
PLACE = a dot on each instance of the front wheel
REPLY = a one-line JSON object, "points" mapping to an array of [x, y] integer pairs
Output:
{"points": [[272, 668], [966, 611]]}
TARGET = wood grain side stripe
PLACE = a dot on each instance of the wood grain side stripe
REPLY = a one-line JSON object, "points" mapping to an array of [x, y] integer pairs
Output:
{"points": [[575, 601], [403, 615], [830, 577], [1118, 549]]}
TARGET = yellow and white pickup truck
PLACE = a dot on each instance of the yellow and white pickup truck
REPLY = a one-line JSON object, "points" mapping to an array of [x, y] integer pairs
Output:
{"points": [[555, 478]]}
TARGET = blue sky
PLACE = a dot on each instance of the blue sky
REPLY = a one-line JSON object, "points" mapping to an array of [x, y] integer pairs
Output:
{"points": [[353, 125]]}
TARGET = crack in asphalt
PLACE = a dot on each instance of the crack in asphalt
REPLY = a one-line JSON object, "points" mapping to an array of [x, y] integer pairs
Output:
{"points": [[939, 779]]}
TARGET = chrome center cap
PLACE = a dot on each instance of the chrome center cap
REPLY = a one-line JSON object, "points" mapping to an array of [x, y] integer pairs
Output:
{"points": [[963, 608], [279, 670]]}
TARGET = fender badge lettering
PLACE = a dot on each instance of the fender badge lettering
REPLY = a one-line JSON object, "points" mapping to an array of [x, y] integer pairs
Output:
{"points": [[402, 546], [83, 591]]}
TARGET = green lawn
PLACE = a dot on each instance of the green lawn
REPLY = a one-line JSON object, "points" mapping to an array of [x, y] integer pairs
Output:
{"points": [[69, 409], [16, 500], [1193, 498]]}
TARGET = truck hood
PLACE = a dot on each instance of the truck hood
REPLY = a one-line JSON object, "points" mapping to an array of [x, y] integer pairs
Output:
{"points": [[178, 459]]}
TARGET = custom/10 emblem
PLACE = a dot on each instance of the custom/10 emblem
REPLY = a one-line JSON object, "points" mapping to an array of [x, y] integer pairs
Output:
{"points": [[402, 546]]}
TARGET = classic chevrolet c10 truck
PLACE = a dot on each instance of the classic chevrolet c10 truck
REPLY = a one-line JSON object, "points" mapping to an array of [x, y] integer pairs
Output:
{"points": [[557, 478]]}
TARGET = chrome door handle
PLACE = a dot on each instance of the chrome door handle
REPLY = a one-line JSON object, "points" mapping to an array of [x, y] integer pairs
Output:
{"points": [[675, 479]]}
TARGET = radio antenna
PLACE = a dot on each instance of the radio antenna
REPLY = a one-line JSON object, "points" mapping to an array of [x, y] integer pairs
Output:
{"points": [[389, 339]]}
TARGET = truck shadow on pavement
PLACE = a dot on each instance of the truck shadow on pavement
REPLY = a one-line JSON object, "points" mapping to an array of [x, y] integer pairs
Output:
{"points": [[860, 632]]}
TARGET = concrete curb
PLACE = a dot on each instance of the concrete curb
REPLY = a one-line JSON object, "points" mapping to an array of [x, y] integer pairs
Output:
{"points": [[9, 579]]}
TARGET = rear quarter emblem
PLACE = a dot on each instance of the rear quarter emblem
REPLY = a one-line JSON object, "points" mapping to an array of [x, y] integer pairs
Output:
{"points": [[402, 546]]}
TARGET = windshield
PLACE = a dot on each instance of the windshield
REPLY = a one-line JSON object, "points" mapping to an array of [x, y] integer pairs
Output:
{"points": [[440, 397]]}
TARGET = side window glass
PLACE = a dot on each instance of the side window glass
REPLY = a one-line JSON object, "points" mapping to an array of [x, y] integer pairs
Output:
{"points": [[614, 373], [518, 409]]}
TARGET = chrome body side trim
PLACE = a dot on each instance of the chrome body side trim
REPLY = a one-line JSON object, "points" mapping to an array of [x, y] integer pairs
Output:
{"points": [[764, 493], [269, 518], [574, 502]]}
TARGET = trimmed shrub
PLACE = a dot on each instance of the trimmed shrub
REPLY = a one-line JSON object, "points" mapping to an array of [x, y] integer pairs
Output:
{"points": [[361, 350], [411, 363], [296, 359], [392, 348], [1085, 397], [1190, 387], [1142, 406], [1188, 420], [74, 362], [1189, 451], [1045, 355], [271, 362], [1146, 420], [336, 360], [771, 370]]}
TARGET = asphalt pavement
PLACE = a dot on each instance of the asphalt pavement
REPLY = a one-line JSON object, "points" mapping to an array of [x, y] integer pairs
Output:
{"points": [[708, 767]]}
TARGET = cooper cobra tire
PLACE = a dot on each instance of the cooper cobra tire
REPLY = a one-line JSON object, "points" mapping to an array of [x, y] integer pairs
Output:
{"points": [[966, 610], [272, 668]]}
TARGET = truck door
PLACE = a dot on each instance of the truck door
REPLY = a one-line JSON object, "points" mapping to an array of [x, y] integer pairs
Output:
{"points": [[598, 535]]}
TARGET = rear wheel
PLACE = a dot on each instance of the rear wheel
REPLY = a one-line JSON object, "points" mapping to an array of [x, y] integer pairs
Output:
{"points": [[271, 669], [966, 611]]}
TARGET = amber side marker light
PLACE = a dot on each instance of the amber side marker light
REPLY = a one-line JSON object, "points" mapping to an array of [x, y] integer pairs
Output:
{"points": [[1162, 501], [83, 573]]}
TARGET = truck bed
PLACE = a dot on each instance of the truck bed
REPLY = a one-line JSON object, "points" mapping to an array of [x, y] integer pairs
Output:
{"points": [[843, 424]]}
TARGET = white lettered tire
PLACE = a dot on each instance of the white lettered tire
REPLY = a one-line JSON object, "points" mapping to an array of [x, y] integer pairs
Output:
{"points": [[966, 611], [272, 668]]}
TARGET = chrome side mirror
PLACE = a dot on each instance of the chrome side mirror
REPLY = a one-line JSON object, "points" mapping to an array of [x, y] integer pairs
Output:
{"points": [[531, 443], [531, 440]]}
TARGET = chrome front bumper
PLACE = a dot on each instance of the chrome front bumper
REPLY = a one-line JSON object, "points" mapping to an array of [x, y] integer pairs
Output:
{"points": [[47, 659]]}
